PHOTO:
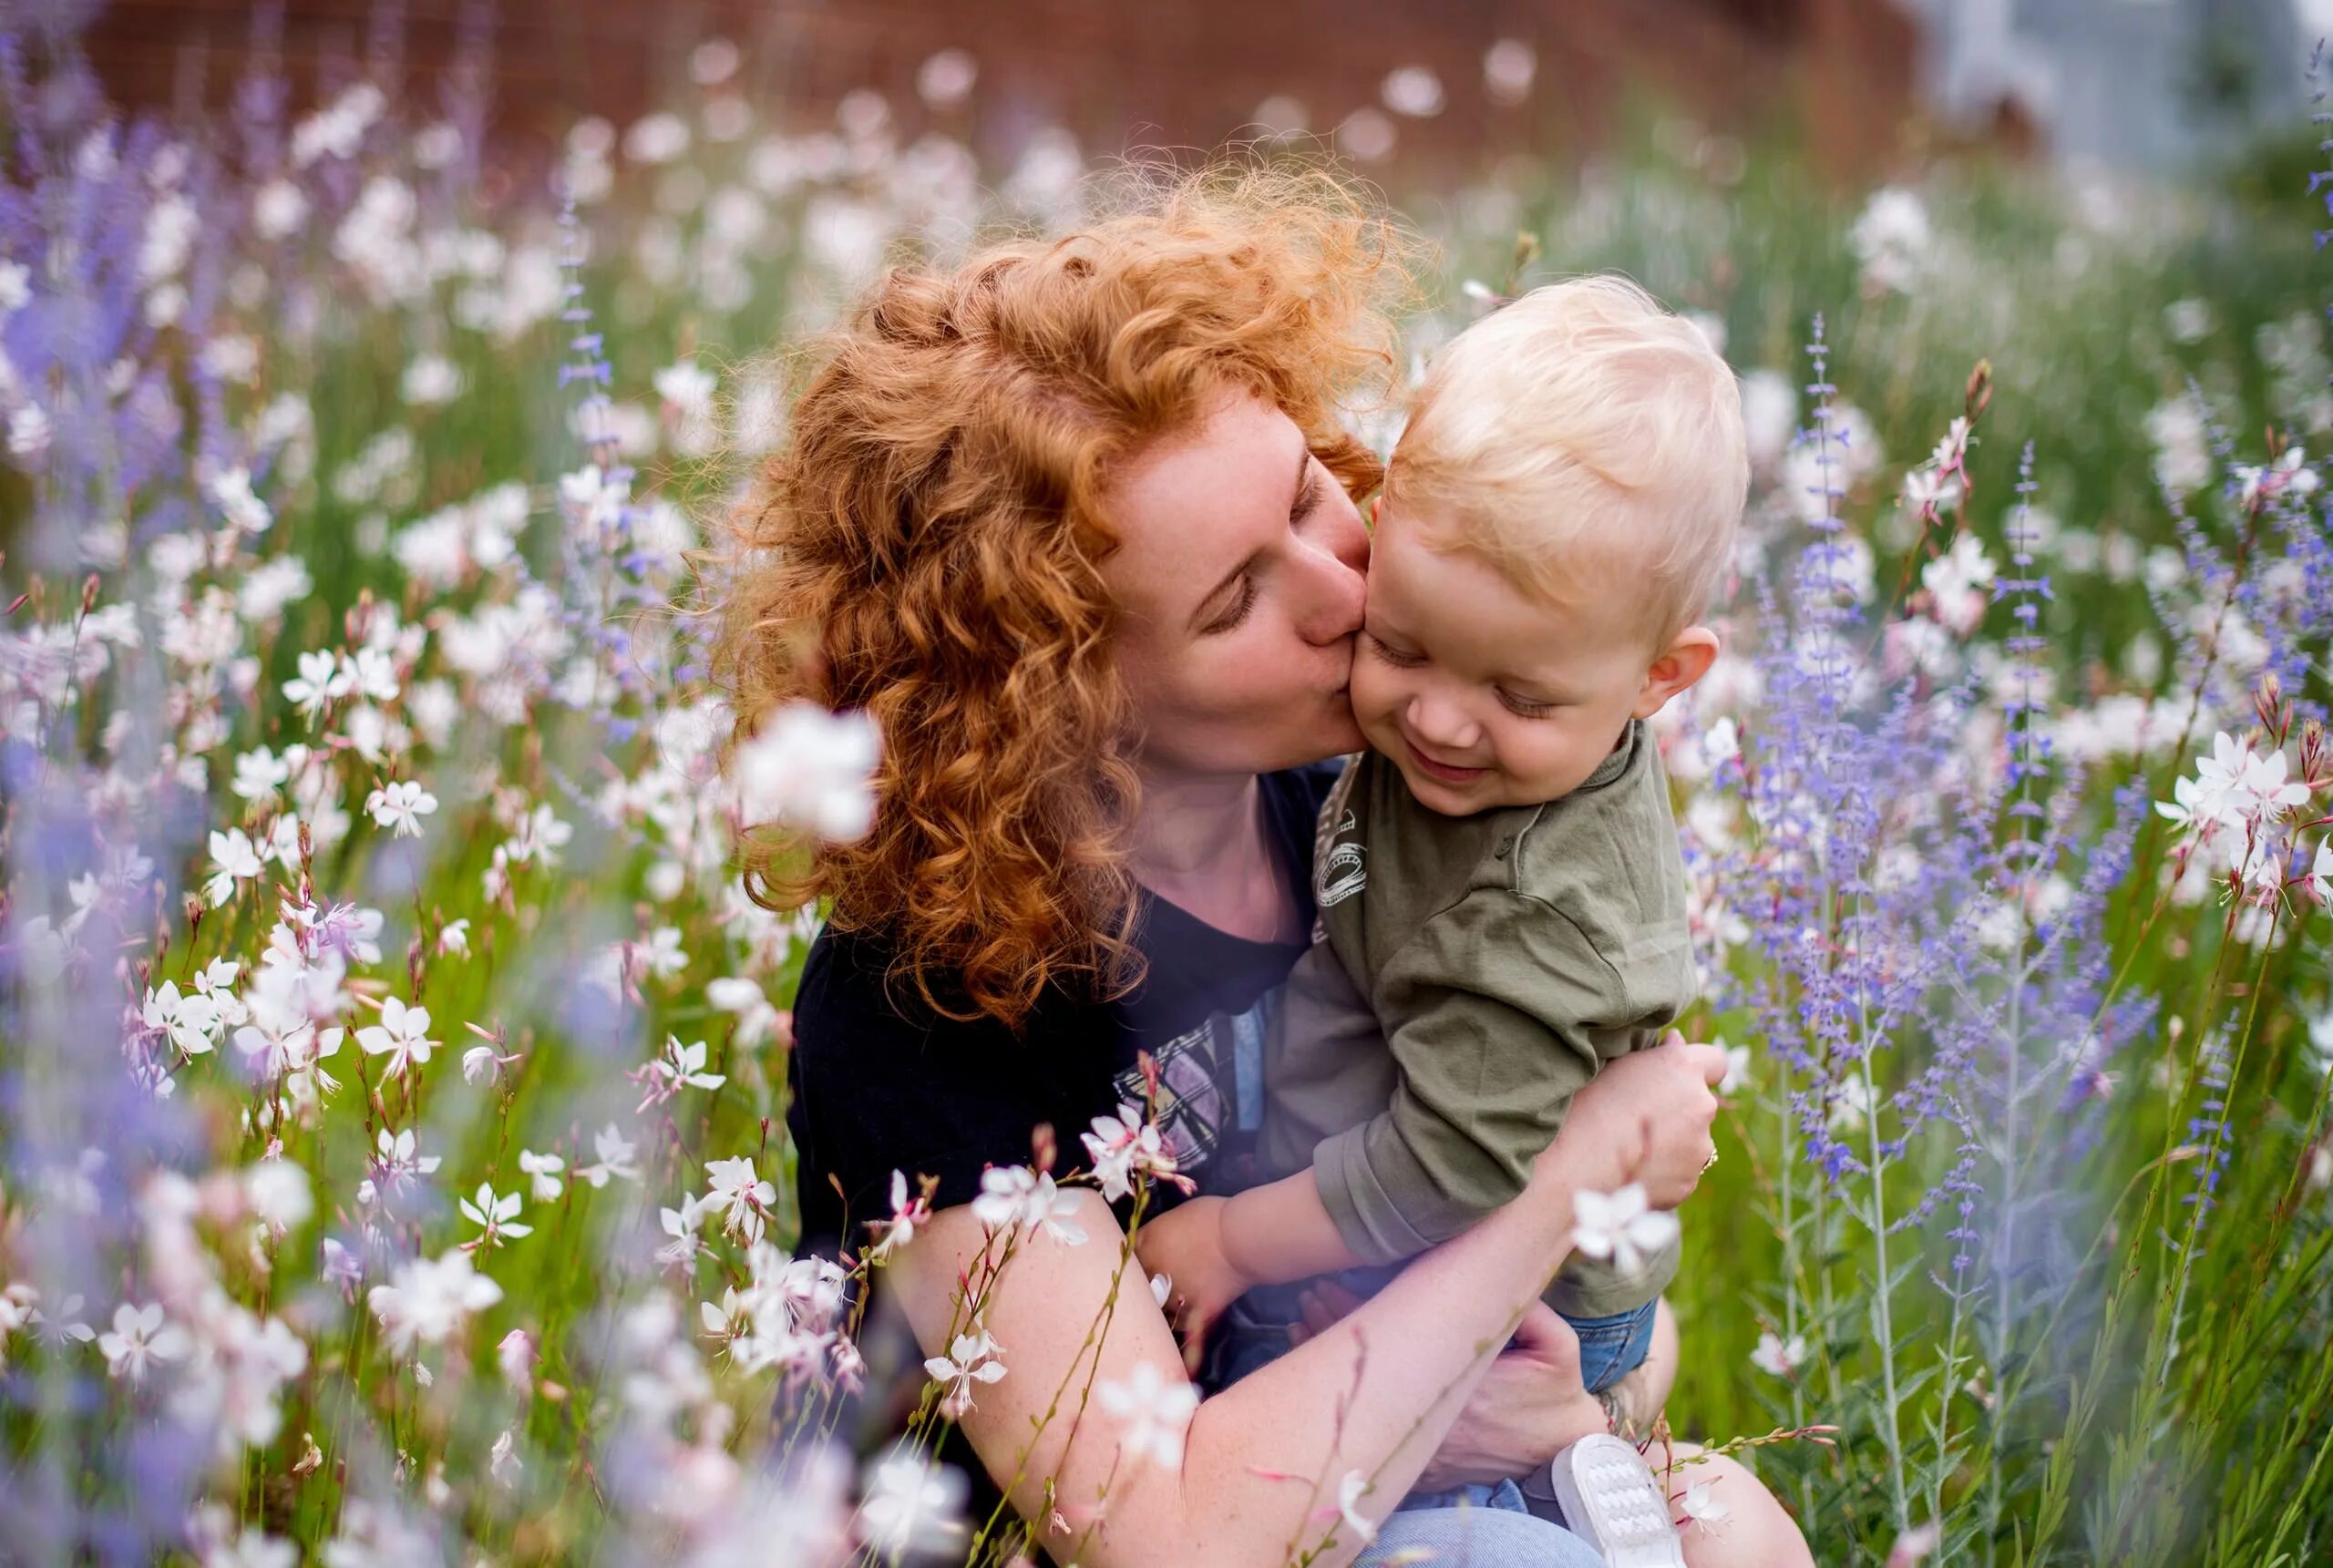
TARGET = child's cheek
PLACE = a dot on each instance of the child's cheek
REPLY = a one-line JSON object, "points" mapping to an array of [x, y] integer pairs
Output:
{"points": [[1376, 693]]}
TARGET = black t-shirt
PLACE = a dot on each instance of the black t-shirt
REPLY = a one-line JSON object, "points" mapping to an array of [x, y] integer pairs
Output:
{"points": [[876, 1089]]}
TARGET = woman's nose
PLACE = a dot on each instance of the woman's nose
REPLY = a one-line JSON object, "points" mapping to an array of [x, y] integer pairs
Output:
{"points": [[1336, 587]]}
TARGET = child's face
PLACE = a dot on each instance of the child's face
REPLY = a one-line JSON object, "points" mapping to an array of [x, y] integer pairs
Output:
{"points": [[1484, 697]]}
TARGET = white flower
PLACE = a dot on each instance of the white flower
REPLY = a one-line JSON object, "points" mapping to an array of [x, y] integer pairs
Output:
{"points": [[455, 938], [192, 1023], [616, 1153], [1122, 1144], [737, 1194], [431, 379], [1350, 1491], [232, 490], [403, 1035], [1737, 1068], [1620, 1225], [401, 805], [1851, 1106], [1957, 583], [545, 1169], [681, 1225], [516, 1355], [496, 1217], [2219, 778], [687, 386], [972, 1359], [810, 768], [278, 1193], [1721, 744], [234, 860], [2289, 471], [501, 1463], [322, 678], [1157, 1411], [1014, 1197], [1892, 239], [680, 1066], [1778, 1356], [906, 1215], [139, 1336], [426, 1301], [911, 1505], [2266, 788], [1701, 1505], [2321, 872]]}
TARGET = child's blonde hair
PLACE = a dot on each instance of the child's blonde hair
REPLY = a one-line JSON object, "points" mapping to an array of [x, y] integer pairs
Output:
{"points": [[1582, 421]]}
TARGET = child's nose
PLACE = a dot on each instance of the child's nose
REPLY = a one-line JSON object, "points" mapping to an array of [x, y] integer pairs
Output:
{"points": [[1442, 724]]}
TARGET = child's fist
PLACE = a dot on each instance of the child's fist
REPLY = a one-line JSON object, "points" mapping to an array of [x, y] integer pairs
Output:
{"points": [[1186, 1244]]}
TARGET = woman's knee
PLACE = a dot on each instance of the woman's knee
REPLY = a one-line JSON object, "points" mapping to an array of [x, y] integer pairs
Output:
{"points": [[1755, 1528]]}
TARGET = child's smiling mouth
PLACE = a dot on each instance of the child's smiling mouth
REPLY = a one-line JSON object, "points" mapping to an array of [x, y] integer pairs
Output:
{"points": [[1439, 770]]}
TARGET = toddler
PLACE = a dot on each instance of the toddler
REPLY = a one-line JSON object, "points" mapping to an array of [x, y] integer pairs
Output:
{"points": [[1502, 901]]}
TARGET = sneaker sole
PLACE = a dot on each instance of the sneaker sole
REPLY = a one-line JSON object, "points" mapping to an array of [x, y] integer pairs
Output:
{"points": [[1610, 1498]]}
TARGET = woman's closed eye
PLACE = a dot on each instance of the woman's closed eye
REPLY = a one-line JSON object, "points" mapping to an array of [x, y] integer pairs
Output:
{"points": [[1308, 501], [1230, 618]]}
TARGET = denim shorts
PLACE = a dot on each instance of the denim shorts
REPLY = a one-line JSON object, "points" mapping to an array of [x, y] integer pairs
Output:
{"points": [[1255, 1330]]}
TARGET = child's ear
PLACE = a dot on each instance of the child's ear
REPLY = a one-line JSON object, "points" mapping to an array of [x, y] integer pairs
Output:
{"points": [[1686, 659]]}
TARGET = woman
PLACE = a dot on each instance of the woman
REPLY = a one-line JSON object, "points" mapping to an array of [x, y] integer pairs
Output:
{"points": [[1076, 523]]}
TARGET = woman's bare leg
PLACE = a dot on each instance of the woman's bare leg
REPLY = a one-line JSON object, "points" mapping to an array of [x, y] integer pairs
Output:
{"points": [[1756, 1533]]}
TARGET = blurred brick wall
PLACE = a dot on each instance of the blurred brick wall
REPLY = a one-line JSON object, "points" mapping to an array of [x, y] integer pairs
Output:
{"points": [[1170, 72]]}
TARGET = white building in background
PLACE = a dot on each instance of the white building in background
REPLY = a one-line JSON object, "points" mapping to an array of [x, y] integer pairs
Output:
{"points": [[2152, 84]]}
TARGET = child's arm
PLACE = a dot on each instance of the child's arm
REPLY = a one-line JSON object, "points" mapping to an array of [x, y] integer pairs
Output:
{"points": [[1281, 1232], [1497, 1012], [1213, 1249]]}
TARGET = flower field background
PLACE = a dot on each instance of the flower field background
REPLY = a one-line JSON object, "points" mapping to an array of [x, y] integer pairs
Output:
{"points": [[392, 1067]]}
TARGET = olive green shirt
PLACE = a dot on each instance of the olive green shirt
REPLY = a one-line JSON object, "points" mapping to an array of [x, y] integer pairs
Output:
{"points": [[1475, 973]]}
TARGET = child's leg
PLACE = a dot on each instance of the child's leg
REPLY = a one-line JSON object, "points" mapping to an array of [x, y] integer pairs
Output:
{"points": [[1611, 1347]]}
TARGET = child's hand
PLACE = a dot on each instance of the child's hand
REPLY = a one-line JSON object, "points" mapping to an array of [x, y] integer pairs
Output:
{"points": [[1186, 1244], [1651, 1112]]}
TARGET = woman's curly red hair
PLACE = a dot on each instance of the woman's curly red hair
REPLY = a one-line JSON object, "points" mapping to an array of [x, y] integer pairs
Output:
{"points": [[926, 547]]}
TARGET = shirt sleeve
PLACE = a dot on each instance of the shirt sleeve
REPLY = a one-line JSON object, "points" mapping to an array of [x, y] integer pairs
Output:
{"points": [[1495, 1013]]}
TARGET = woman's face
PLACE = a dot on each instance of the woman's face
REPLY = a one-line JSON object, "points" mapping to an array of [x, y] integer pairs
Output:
{"points": [[1239, 580]]}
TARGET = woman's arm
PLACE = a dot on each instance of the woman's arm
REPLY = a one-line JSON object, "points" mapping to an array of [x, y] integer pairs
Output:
{"points": [[1374, 1393]]}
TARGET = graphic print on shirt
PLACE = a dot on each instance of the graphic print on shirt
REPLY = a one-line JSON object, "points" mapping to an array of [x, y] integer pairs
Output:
{"points": [[1210, 1081], [1337, 870]]}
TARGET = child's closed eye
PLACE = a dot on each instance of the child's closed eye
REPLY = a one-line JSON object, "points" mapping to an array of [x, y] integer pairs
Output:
{"points": [[1392, 656]]}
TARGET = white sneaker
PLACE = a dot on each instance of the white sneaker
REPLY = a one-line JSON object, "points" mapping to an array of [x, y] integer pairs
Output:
{"points": [[1611, 1500]]}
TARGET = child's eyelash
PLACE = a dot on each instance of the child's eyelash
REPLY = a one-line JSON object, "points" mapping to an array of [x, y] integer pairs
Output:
{"points": [[1400, 661], [1522, 710]]}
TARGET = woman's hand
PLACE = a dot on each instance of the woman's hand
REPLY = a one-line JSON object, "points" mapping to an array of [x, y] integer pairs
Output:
{"points": [[1529, 1406], [1645, 1118]]}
